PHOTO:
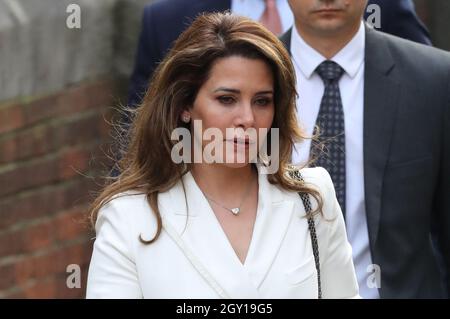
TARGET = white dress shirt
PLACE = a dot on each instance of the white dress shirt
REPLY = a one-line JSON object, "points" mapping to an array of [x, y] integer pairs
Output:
{"points": [[310, 88], [194, 259], [254, 9]]}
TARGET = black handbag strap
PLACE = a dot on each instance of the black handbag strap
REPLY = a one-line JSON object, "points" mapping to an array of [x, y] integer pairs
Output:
{"points": [[312, 231]]}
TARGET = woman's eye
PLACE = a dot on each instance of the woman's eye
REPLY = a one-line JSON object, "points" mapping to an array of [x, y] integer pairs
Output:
{"points": [[226, 99], [263, 102]]}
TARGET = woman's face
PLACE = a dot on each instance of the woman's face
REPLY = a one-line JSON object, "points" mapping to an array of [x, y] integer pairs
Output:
{"points": [[238, 95]]}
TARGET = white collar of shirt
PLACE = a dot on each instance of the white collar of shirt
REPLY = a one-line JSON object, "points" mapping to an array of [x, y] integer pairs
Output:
{"points": [[350, 58]]}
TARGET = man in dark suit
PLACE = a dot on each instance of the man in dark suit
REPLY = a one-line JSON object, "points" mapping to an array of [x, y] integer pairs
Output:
{"points": [[385, 104], [163, 21]]}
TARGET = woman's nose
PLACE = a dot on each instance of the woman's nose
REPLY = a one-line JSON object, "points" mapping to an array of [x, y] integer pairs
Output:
{"points": [[245, 118]]}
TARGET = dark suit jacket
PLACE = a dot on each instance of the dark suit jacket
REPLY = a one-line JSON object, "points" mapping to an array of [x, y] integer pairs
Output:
{"points": [[398, 17], [407, 164], [163, 21]]}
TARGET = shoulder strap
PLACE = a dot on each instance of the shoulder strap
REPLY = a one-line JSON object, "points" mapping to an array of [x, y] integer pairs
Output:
{"points": [[312, 231], [194, 261]]}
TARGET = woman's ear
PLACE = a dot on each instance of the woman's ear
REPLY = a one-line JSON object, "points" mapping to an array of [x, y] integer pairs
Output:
{"points": [[185, 116]]}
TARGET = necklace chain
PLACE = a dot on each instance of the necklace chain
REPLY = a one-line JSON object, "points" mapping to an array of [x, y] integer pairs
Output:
{"points": [[235, 210]]}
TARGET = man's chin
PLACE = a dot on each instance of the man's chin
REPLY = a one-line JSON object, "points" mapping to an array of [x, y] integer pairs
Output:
{"points": [[329, 28]]}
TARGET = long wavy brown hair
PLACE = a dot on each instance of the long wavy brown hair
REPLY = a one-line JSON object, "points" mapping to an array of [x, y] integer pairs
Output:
{"points": [[146, 165]]}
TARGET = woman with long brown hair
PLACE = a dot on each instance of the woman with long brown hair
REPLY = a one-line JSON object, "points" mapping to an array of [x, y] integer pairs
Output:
{"points": [[182, 221]]}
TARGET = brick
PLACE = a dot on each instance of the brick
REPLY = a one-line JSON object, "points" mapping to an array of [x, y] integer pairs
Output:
{"points": [[45, 202], [43, 139], [51, 264], [27, 239], [37, 236], [11, 118], [42, 109], [7, 276], [25, 270], [87, 96], [50, 169], [71, 101], [31, 239], [28, 175], [25, 144], [72, 225], [103, 94], [88, 129], [11, 244], [43, 289], [73, 162], [14, 295], [8, 149]]}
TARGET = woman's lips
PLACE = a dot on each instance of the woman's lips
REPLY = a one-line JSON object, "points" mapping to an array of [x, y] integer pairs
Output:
{"points": [[241, 142]]}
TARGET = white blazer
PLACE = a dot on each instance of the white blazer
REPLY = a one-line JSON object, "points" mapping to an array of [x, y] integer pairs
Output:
{"points": [[194, 259]]}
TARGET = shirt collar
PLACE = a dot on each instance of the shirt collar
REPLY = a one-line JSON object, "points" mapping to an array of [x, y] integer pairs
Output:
{"points": [[350, 58]]}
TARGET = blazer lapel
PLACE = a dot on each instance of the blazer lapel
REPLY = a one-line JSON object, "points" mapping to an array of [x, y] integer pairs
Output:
{"points": [[380, 109], [203, 240], [275, 212]]}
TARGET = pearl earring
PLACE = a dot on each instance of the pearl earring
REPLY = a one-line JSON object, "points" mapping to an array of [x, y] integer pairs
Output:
{"points": [[186, 118]]}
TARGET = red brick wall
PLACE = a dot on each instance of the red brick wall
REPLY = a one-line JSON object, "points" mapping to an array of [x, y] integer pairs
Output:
{"points": [[50, 156]]}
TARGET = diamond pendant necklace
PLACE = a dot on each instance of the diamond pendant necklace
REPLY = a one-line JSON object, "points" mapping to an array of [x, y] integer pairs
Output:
{"points": [[235, 210]]}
